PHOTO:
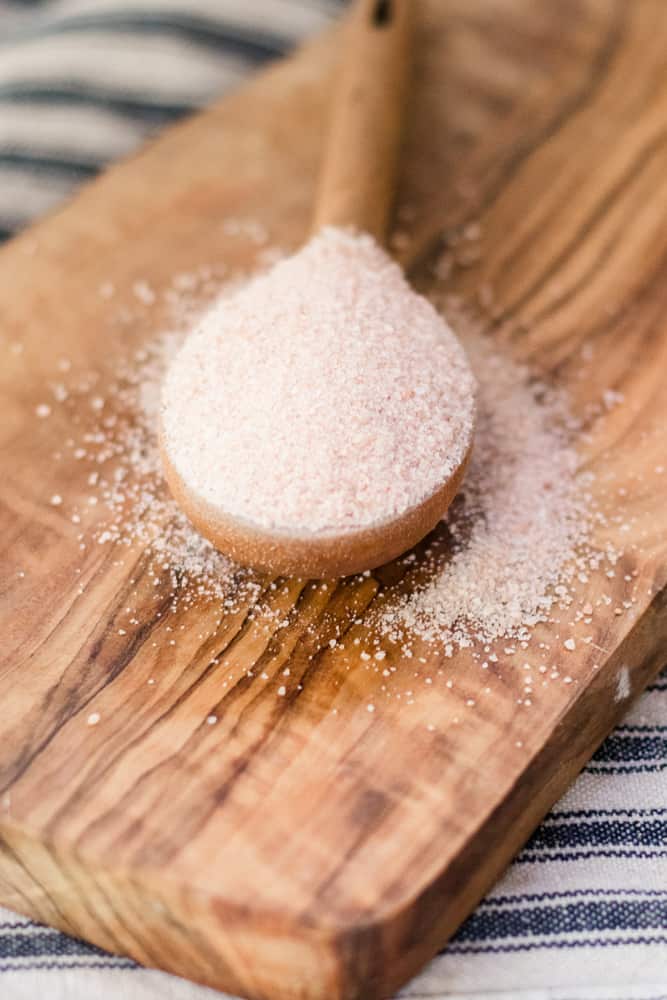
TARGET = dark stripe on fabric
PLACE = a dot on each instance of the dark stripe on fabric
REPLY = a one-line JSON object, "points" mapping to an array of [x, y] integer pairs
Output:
{"points": [[147, 108], [565, 918], [526, 857], [539, 897], [629, 748], [499, 949], [38, 163], [592, 813], [254, 46], [638, 832], [628, 769], [44, 942]]}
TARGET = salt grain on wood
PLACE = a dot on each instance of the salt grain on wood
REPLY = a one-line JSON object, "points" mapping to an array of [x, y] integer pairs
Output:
{"points": [[514, 536]]}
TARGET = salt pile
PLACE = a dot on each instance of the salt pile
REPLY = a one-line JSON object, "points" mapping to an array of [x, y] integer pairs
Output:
{"points": [[515, 541], [326, 396]]}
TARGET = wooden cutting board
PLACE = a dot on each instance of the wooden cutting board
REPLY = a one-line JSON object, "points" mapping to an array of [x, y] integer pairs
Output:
{"points": [[287, 851]]}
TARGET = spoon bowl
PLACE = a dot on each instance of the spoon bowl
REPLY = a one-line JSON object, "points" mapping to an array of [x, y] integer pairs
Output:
{"points": [[318, 555]]}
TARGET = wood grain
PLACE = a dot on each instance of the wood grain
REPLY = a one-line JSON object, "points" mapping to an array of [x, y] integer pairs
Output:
{"points": [[288, 852]]}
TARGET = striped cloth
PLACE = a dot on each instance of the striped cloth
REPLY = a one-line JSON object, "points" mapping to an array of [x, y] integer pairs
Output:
{"points": [[582, 912], [83, 82]]}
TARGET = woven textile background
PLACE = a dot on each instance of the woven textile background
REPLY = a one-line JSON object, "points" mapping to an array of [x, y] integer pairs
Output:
{"points": [[583, 910]]}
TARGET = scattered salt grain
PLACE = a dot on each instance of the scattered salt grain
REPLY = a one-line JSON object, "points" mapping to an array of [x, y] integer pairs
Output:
{"points": [[56, 500], [512, 537], [43, 410], [143, 292], [93, 718], [60, 393]]}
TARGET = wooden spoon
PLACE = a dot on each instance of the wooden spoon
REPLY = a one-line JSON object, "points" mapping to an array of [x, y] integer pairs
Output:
{"points": [[357, 187]]}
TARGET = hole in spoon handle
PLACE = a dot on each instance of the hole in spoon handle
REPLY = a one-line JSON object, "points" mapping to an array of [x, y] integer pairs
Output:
{"points": [[382, 13]]}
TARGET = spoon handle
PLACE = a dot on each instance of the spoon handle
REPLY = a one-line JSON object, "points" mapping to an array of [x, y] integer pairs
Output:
{"points": [[358, 175]]}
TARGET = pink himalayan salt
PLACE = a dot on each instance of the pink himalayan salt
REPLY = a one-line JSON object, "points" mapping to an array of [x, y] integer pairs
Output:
{"points": [[325, 396], [516, 550], [521, 527]]}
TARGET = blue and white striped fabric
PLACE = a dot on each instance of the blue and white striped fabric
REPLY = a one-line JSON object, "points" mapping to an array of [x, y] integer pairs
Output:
{"points": [[83, 82], [582, 913]]}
